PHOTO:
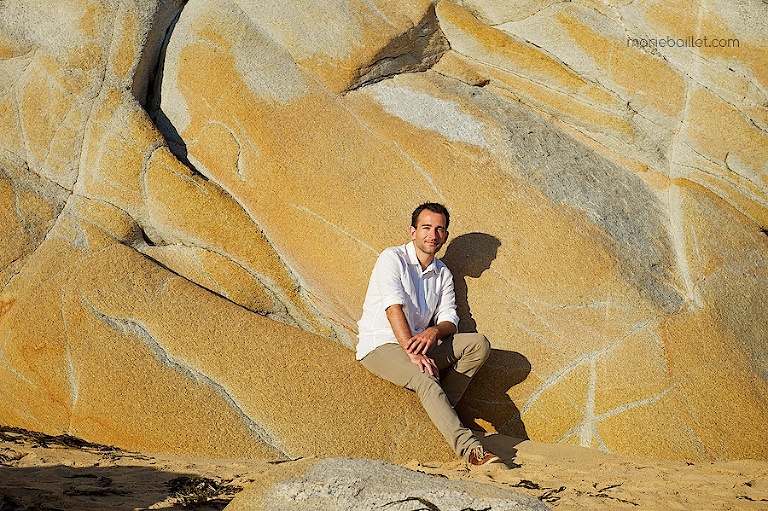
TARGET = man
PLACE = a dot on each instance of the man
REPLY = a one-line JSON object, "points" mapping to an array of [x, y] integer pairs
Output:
{"points": [[407, 333]]}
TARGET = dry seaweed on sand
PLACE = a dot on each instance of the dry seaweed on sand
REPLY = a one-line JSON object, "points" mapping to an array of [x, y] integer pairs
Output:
{"points": [[9, 456], [189, 491]]}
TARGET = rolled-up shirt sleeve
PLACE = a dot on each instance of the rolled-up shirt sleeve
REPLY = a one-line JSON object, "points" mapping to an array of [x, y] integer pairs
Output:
{"points": [[387, 278], [446, 305]]}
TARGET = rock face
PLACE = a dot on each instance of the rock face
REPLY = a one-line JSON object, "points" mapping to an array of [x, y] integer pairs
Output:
{"points": [[193, 194], [340, 484]]}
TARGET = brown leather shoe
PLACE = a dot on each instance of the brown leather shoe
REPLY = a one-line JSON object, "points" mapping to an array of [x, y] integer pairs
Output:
{"points": [[479, 457]]}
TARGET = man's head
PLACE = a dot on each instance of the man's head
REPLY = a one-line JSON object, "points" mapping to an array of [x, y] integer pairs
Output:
{"points": [[429, 230], [433, 207]]}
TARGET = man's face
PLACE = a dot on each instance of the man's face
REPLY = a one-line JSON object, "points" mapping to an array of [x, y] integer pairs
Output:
{"points": [[430, 233]]}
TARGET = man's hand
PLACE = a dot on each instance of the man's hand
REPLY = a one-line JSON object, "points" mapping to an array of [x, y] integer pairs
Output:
{"points": [[420, 343], [416, 346], [425, 364]]}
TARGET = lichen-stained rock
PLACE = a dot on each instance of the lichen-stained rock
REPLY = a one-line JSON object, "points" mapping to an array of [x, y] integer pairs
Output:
{"points": [[608, 233], [29, 206], [674, 86], [235, 135], [185, 219], [576, 184], [62, 359], [197, 222], [128, 353]]}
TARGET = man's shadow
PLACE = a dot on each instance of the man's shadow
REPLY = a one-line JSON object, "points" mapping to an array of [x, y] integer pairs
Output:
{"points": [[486, 401]]}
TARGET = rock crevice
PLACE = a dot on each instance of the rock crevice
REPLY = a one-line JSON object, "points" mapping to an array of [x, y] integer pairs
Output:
{"points": [[415, 50]]}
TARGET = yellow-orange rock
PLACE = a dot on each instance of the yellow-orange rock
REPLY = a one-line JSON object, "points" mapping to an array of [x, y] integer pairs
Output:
{"points": [[193, 194]]}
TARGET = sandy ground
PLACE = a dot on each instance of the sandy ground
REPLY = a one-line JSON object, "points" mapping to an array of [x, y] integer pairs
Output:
{"points": [[43, 473]]}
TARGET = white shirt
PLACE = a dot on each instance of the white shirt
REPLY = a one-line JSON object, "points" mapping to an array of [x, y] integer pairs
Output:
{"points": [[427, 297]]}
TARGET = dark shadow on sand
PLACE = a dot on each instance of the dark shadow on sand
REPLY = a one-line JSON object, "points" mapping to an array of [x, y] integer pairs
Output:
{"points": [[60, 488], [111, 482]]}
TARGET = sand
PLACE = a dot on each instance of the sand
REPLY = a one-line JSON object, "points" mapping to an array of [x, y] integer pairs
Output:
{"points": [[55, 473]]}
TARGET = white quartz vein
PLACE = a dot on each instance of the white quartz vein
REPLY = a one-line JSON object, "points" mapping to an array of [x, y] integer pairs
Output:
{"points": [[335, 227], [586, 429]]}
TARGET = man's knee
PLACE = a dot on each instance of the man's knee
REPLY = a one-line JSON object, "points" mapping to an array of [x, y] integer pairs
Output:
{"points": [[477, 344]]}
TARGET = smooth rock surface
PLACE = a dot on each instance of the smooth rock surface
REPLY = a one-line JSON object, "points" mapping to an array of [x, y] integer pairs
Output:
{"points": [[337, 484], [193, 194]]}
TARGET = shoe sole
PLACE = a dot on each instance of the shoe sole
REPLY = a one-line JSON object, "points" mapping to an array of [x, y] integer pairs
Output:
{"points": [[493, 461]]}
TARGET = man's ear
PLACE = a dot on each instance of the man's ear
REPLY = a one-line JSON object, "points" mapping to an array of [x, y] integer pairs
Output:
{"points": [[411, 230]]}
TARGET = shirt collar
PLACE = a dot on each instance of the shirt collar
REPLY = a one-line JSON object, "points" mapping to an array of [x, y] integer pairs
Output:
{"points": [[413, 259]]}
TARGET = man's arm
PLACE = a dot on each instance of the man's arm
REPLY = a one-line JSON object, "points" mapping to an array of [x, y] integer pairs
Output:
{"points": [[402, 331]]}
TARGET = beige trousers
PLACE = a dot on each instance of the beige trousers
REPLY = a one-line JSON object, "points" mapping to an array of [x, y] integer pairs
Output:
{"points": [[458, 357]]}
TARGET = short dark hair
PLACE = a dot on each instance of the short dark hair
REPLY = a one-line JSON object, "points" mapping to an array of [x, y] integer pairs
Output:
{"points": [[434, 207]]}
